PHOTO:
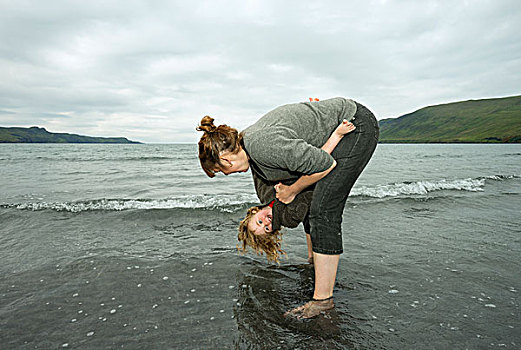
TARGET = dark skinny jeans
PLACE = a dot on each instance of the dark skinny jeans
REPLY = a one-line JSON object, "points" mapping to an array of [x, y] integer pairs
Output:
{"points": [[352, 155]]}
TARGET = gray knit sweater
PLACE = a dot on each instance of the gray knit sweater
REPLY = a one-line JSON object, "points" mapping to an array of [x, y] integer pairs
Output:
{"points": [[285, 143]]}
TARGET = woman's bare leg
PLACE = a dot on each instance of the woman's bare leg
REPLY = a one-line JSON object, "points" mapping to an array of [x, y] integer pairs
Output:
{"points": [[310, 249], [325, 275]]}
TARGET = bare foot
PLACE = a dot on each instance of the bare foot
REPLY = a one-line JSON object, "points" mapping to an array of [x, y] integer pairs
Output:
{"points": [[310, 260], [311, 308]]}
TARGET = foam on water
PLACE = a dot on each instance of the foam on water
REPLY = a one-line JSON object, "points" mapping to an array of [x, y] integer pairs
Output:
{"points": [[222, 202], [231, 203], [419, 188]]}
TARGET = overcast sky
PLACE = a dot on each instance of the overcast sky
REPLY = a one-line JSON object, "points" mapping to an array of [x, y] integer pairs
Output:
{"points": [[149, 70]]}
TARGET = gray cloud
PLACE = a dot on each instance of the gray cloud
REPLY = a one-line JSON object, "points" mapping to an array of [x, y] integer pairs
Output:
{"points": [[150, 70]]}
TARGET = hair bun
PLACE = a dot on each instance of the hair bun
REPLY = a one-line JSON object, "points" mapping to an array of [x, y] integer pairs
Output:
{"points": [[207, 124]]}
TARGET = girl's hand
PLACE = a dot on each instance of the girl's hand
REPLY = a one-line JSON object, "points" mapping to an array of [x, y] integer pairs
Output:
{"points": [[284, 193], [344, 128]]}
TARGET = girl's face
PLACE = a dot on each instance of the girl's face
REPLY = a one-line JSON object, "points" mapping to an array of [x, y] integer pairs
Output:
{"points": [[260, 223]]}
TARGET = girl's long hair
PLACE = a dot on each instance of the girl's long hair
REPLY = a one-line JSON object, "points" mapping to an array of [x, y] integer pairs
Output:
{"points": [[269, 244]]}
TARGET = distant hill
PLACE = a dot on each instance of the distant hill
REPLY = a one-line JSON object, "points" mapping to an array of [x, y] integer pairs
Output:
{"points": [[490, 120], [40, 135]]}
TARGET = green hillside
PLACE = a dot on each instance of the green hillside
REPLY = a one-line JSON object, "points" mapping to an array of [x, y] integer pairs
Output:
{"points": [[490, 120], [40, 135]]}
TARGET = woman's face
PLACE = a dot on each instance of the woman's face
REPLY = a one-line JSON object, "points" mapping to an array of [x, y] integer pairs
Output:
{"points": [[232, 163], [231, 167], [260, 223]]}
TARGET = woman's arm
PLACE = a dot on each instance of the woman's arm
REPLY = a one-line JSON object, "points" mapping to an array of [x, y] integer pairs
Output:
{"points": [[286, 194]]}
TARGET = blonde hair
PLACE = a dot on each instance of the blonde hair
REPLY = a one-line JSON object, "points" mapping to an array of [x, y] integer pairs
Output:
{"points": [[270, 243], [215, 140]]}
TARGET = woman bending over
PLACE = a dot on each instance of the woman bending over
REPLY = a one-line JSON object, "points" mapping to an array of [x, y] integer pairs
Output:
{"points": [[286, 145]]}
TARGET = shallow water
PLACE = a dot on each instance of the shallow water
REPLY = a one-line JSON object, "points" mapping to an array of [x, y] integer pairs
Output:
{"points": [[132, 246]]}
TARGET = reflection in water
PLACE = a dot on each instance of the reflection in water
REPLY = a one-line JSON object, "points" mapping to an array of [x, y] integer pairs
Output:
{"points": [[266, 292]]}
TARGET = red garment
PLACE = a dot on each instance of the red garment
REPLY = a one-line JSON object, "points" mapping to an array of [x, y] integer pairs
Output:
{"points": [[271, 204]]}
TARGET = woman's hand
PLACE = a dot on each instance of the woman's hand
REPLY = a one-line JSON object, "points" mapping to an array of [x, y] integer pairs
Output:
{"points": [[284, 193], [344, 128]]}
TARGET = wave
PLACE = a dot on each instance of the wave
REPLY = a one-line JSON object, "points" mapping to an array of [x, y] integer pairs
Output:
{"points": [[502, 177], [419, 188], [226, 203], [408, 189], [232, 203]]}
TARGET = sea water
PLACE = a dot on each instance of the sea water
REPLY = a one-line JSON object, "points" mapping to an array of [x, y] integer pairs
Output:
{"points": [[132, 246]]}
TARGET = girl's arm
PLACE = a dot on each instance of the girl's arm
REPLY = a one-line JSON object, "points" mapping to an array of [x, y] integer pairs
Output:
{"points": [[344, 128], [286, 194]]}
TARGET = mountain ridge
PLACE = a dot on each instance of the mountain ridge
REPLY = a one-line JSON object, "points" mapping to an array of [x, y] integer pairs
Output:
{"points": [[495, 120], [37, 134]]}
